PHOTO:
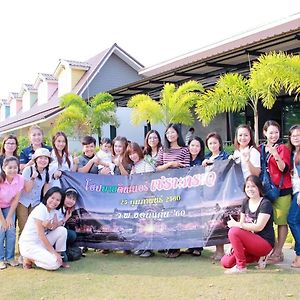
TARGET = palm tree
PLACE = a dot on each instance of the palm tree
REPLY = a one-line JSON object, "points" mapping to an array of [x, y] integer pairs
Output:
{"points": [[272, 74], [81, 118], [175, 105]]}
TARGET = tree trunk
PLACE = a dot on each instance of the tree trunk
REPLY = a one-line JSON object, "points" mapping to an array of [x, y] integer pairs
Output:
{"points": [[256, 133], [148, 126]]}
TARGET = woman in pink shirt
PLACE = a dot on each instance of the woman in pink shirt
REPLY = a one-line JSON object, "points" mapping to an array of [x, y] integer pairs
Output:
{"points": [[11, 185]]}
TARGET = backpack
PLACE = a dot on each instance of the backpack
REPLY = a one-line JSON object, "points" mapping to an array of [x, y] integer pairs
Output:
{"points": [[73, 253]]}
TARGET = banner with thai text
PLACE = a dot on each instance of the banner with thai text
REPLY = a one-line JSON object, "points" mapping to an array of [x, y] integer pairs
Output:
{"points": [[176, 208]]}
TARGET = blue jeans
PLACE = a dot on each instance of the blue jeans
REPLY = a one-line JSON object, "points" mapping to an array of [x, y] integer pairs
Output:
{"points": [[7, 239], [294, 222]]}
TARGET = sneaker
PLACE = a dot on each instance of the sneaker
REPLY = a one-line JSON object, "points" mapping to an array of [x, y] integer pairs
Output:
{"points": [[138, 252], [146, 254], [235, 270], [13, 263], [2, 265]]}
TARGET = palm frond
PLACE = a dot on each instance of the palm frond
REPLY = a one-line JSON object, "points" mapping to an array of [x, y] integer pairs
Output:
{"points": [[147, 111], [101, 98], [273, 74], [231, 93], [134, 101]]}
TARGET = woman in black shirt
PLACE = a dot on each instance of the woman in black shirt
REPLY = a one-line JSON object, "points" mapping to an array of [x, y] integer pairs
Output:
{"points": [[253, 236]]}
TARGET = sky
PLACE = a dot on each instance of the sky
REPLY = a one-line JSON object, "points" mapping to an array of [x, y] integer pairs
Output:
{"points": [[35, 34]]}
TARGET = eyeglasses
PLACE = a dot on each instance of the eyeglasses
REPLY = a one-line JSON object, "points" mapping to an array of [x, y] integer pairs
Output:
{"points": [[10, 144]]}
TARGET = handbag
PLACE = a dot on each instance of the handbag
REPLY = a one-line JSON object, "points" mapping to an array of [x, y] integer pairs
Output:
{"points": [[272, 192], [73, 253]]}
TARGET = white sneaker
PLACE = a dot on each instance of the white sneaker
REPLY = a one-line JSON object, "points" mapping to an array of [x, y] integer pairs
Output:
{"points": [[13, 263], [2, 265], [235, 270]]}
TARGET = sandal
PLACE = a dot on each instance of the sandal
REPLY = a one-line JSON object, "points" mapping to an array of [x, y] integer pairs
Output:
{"points": [[275, 259], [295, 265], [196, 253], [173, 254], [262, 263], [188, 251], [217, 257]]}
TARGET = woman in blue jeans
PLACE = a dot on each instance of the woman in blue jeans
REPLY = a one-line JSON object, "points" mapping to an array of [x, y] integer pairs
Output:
{"points": [[294, 212]]}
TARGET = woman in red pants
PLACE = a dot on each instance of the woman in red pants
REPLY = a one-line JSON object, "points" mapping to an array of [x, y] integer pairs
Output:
{"points": [[253, 236]]}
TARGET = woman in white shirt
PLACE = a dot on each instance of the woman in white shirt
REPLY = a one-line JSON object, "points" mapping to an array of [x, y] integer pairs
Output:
{"points": [[245, 151], [41, 233], [136, 157], [61, 159]]}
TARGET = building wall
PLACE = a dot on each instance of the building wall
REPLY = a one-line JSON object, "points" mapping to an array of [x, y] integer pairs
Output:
{"points": [[218, 124], [43, 92], [26, 101], [76, 76], [7, 111], [13, 107], [113, 74], [131, 132], [52, 87], [64, 82]]}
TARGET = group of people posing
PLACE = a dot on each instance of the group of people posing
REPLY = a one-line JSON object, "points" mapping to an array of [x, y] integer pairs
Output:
{"points": [[30, 189]]}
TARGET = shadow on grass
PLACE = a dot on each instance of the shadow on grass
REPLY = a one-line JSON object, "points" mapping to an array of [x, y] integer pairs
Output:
{"points": [[116, 263]]}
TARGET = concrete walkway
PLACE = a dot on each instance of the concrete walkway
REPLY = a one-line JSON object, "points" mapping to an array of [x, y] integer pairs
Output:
{"points": [[288, 252], [289, 255]]}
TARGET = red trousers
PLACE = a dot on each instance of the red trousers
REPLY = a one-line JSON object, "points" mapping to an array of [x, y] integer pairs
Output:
{"points": [[247, 247]]}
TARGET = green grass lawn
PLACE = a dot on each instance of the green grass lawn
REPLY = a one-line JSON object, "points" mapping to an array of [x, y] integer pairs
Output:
{"points": [[115, 276]]}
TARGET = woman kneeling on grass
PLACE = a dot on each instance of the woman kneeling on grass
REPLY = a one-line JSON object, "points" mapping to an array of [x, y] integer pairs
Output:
{"points": [[37, 238], [253, 236]]}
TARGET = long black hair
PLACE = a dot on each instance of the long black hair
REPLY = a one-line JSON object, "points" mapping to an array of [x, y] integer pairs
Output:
{"points": [[200, 155], [255, 180], [5, 163], [50, 192], [147, 148], [180, 140]]}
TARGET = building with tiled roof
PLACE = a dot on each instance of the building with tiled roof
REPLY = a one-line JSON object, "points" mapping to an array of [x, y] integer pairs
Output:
{"points": [[107, 70], [115, 71]]}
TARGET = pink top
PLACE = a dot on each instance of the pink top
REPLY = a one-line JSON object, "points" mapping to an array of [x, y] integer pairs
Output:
{"points": [[9, 190]]}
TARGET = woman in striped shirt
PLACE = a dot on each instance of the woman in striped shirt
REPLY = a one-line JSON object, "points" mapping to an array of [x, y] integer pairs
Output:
{"points": [[174, 154]]}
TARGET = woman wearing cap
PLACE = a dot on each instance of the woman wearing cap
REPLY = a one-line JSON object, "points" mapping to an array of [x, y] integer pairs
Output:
{"points": [[40, 243], [36, 178]]}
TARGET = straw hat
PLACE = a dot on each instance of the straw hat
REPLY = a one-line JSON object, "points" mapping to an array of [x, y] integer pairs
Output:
{"points": [[41, 152]]}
